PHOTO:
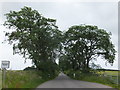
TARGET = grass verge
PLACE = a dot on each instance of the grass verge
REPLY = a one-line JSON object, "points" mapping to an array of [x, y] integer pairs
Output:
{"points": [[92, 78], [25, 79]]}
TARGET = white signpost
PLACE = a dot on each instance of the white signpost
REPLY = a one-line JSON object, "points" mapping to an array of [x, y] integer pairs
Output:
{"points": [[4, 66]]}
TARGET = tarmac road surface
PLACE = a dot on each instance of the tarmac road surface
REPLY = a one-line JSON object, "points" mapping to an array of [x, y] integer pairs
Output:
{"points": [[63, 81]]}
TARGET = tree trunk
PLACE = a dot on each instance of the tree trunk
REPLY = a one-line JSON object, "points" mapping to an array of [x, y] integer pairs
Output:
{"points": [[87, 65]]}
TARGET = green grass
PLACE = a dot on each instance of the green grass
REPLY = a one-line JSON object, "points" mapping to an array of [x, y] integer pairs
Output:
{"points": [[113, 73], [94, 77], [24, 79], [0, 79]]}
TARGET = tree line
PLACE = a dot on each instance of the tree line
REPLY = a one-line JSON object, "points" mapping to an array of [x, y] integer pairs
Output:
{"points": [[38, 38]]}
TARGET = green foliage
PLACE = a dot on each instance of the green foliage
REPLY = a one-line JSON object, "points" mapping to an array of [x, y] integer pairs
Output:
{"points": [[38, 38], [64, 63], [48, 68], [35, 37], [85, 43]]}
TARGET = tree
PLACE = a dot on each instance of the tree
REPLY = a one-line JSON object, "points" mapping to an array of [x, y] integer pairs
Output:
{"points": [[84, 43], [34, 36], [64, 63]]}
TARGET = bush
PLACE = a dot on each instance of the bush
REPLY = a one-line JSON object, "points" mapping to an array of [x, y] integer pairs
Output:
{"points": [[48, 68]]}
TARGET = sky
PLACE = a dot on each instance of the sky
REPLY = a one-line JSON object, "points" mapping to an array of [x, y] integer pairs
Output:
{"points": [[102, 14]]}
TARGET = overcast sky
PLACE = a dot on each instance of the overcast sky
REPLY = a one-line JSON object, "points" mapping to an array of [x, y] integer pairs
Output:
{"points": [[102, 14]]}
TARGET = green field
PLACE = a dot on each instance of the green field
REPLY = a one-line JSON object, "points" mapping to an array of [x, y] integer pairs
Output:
{"points": [[24, 79], [113, 73], [0, 79]]}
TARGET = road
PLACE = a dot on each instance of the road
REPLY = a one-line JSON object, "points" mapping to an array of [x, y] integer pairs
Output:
{"points": [[63, 81]]}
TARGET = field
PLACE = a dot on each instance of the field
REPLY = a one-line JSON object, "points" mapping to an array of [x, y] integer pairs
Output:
{"points": [[0, 79], [24, 79], [113, 73]]}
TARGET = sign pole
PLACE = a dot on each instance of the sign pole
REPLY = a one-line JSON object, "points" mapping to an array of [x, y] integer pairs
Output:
{"points": [[4, 66], [3, 78]]}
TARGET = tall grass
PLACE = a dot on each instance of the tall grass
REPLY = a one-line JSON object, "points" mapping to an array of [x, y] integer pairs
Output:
{"points": [[24, 79]]}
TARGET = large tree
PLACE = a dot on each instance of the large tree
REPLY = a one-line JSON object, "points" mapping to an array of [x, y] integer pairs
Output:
{"points": [[84, 43], [34, 36]]}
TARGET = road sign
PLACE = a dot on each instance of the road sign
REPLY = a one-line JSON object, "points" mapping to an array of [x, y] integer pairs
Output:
{"points": [[5, 64]]}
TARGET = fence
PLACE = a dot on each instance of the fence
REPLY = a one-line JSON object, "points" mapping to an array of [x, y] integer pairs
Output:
{"points": [[113, 78]]}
